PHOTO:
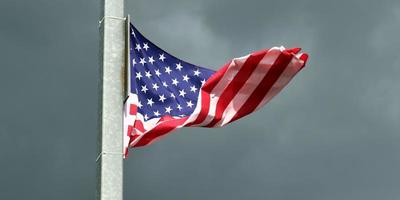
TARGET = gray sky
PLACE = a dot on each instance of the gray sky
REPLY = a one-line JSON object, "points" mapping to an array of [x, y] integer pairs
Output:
{"points": [[331, 134]]}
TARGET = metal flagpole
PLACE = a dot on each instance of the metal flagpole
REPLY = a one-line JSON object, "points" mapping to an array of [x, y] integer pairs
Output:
{"points": [[112, 69], [127, 55]]}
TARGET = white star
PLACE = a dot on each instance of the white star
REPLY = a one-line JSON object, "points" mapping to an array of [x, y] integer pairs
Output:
{"points": [[138, 47], [139, 104], [179, 66], [157, 113], [168, 70], [186, 78], [193, 89], [155, 86], [151, 60], [148, 74], [144, 89], [145, 46], [168, 109], [142, 61], [134, 62], [146, 117], [175, 82], [189, 104], [197, 72], [173, 95], [158, 72], [150, 102], [164, 84], [138, 75], [179, 107], [133, 33], [182, 93], [162, 57], [162, 98], [203, 81]]}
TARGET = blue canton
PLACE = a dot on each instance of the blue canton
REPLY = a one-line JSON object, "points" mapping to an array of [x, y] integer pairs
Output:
{"points": [[164, 84]]}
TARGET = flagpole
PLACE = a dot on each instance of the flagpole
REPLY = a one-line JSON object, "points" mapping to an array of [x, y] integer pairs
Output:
{"points": [[111, 96]]}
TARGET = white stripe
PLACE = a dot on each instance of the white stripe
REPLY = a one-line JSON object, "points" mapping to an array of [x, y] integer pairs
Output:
{"points": [[128, 120], [196, 111], [148, 126], [153, 125], [290, 71], [231, 72], [251, 84]]}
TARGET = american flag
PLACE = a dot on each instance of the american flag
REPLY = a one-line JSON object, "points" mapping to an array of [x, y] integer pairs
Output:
{"points": [[166, 93]]}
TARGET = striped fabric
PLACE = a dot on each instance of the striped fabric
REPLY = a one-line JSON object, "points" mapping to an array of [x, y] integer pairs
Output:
{"points": [[239, 88]]}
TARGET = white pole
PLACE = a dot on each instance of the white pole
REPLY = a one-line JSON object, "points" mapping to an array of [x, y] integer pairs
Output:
{"points": [[112, 69]]}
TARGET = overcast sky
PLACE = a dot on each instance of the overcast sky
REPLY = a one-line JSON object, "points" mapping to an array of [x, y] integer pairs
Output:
{"points": [[332, 134]]}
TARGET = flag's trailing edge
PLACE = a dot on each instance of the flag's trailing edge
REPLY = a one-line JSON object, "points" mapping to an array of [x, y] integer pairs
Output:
{"points": [[167, 93]]}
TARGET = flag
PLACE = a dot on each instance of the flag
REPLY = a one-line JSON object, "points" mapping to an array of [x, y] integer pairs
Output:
{"points": [[166, 93]]}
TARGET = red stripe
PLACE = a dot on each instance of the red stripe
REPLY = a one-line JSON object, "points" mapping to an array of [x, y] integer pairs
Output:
{"points": [[131, 139], [265, 85], [236, 84], [160, 130], [132, 109], [165, 118], [134, 137], [139, 126], [126, 152], [205, 94], [130, 129], [293, 50], [304, 58]]}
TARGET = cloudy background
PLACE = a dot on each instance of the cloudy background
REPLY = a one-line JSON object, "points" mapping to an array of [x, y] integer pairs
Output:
{"points": [[333, 133]]}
